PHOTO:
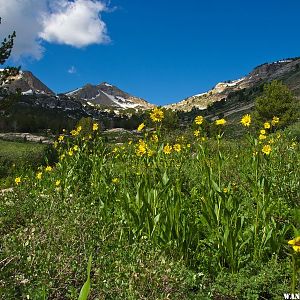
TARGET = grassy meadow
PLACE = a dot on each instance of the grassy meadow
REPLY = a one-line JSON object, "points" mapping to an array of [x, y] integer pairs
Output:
{"points": [[16, 156], [163, 216]]}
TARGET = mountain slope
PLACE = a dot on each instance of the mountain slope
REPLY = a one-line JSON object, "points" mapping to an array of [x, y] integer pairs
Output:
{"points": [[108, 95], [286, 70], [27, 83]]}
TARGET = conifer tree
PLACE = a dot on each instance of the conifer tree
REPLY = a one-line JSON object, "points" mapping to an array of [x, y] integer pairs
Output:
{"points": [[277, 100], [5, 51]]}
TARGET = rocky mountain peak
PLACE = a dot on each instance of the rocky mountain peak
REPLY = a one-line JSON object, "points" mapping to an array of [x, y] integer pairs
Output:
{"points": [[27, 83], [109, 95]]}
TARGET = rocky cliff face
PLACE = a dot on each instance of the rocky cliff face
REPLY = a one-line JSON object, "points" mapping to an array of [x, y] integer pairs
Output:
{"points": [[286, 70]]}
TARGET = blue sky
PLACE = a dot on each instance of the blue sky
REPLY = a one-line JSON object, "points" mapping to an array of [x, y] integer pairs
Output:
{"points": [[165, 51]]}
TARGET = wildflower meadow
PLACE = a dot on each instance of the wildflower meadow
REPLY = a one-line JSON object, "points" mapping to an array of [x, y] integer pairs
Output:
{"points": [[161, 216]]}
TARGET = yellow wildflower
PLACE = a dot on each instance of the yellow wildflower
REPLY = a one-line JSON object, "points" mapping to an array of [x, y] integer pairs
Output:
{"points": [[18, 180], [267, 125], [79, 128], [115, 150], [62, 157], [157, 115], [142, 148], [246, 120], [150, 152], [199, 120], [266, 149], [57, 182], [39, 175], [74, 132], [75, 148], [70, 152], [225, 190], [95, 126], [130, 142], [115, 180], [61, 138], [141, 127], [275, 121], [295, 243], [263, 132], [262, 137], [220, 122], [48, 169], [188, 145], [154, 138], [167, 149], [196, 133], [177, 147]]}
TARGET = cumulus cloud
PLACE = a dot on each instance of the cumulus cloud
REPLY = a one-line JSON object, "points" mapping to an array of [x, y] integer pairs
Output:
{"points": [[23, 17], [75, 23], [72, 70]]}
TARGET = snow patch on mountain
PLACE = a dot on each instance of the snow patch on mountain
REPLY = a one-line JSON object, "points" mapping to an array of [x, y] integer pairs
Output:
{"points": [[120, 101], [199, 95], [283, 61], [236, 82], [29, 92], [73, 92]]}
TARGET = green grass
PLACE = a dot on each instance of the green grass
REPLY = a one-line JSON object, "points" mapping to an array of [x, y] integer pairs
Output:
{"points": [[210, 221], [17, 156], [20, 152]]}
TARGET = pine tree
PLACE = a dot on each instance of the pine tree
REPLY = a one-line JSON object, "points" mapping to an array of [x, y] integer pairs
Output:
{"points": [[277, 100], [5, 51]]}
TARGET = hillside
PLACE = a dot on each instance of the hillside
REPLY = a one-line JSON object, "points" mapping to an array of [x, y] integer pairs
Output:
{"points": [[229, 93]]}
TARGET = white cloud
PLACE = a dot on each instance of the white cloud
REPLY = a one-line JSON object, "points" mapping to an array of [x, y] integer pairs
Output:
{"points": [[23, 17], [72, 70], [77, 23]]}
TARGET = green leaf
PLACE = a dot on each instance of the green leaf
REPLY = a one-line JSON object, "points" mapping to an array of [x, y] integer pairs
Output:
{"points": [[215, 186], [165, 178], [85, 290]]}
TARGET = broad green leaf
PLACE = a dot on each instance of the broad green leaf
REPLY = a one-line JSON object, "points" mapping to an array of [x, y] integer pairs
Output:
{"points": [[85, 290]]}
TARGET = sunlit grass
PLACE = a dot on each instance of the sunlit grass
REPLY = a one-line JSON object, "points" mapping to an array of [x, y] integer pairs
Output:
{"points": [[205, 204]]}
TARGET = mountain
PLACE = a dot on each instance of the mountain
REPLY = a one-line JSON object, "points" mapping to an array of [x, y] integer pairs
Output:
{"points": [[28, 84], [38, 108], [287, 70], [109, 95], [103, 94]]}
